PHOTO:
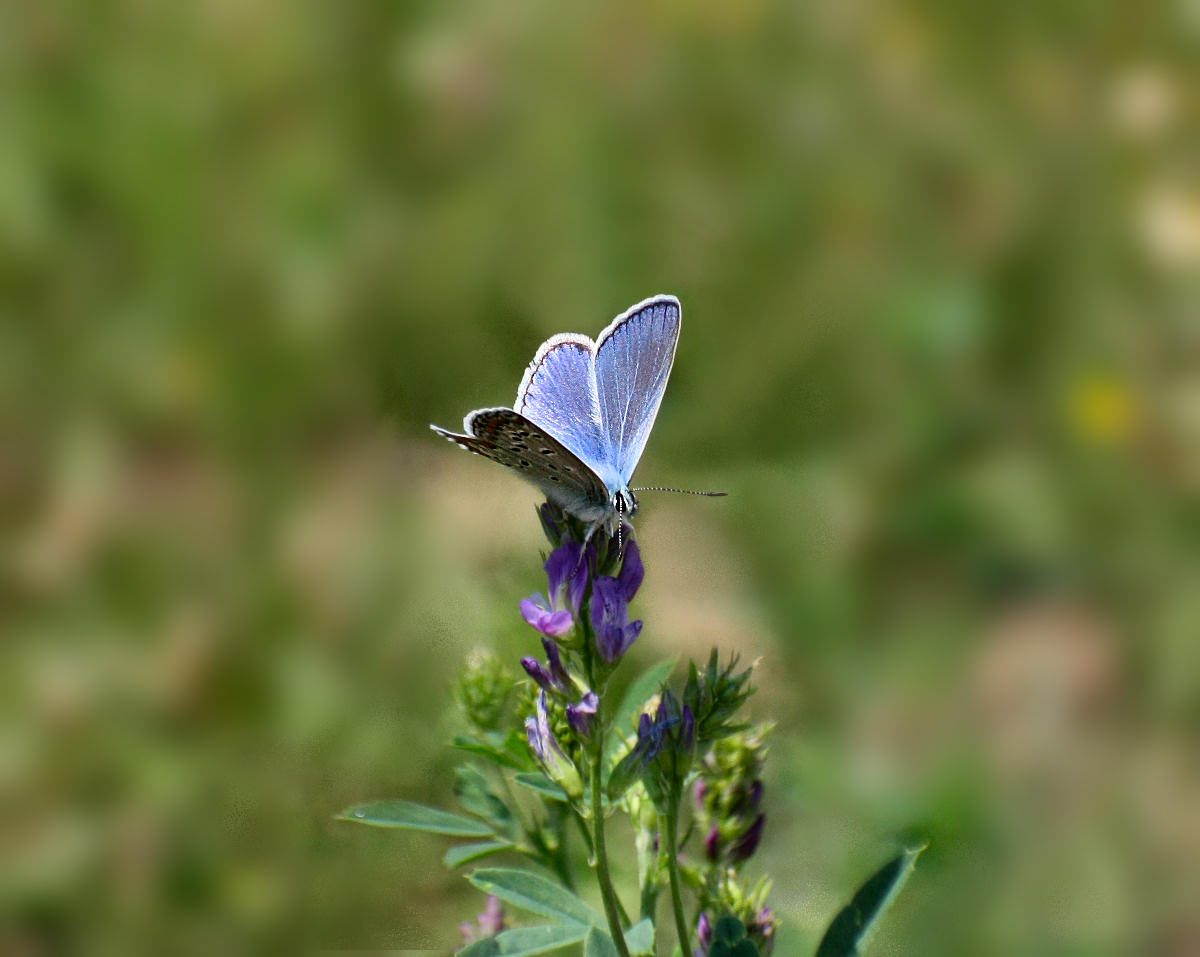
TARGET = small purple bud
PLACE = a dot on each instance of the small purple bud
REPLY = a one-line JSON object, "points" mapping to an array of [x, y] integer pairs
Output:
{"points": [[534, 669], [541, 738], [712, 844], [687, 729], [698, 791], [580, 715], [632, 571], [745, 846], [467, 929], [766, 922], [562, 680], [535, 741], [704, 930], [645, 724]]}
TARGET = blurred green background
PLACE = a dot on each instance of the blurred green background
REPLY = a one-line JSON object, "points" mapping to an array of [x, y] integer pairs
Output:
{"points": [[939, 266]]}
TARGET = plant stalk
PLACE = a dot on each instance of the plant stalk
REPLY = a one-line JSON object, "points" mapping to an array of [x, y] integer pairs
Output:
{"points": [[666, 825], [611, 904]]}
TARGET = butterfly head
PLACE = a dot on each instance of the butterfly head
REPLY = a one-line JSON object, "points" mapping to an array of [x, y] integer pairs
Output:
{"points": [[624, 505]]}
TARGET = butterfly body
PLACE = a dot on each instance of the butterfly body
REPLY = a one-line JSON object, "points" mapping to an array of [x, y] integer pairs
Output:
{"points": [[583, 413]]}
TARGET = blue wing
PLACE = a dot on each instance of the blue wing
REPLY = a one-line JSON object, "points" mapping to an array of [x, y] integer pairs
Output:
{"points": [[633, 362], [558, 393]]}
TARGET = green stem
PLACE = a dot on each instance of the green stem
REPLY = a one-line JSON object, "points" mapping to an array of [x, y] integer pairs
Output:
{"points": [[611, 905], [613, 910], [666, 825]]}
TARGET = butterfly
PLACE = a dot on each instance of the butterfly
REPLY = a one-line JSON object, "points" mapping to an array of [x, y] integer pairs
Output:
{"points": [[583, 413]]}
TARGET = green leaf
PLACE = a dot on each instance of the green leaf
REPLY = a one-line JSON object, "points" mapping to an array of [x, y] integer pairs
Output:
{"points": [[462, 854], [729, 929], [623, 774], [475, 794], [855, 923], [536, 781], [414, 817], [526, 940], [640, 937], [642, 688], [534, 893], [599, 944], [506, 751]]}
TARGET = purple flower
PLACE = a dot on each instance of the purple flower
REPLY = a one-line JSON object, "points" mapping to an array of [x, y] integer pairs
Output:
{"points": [[610, 618], [580, 715], [491, 922], [745, 846], [704, 930], [567, 572], [554, 678], [632, 571], [554, 624], [541, 738], [545, 746], [651, 736], [537, 672]]}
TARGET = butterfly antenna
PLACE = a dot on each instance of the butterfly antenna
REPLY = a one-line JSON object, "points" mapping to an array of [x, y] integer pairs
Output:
{"points": [[681, 491]]}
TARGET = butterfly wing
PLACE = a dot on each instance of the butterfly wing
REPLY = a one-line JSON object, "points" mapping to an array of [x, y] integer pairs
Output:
{"points": [[558, 393], [514, 440], [633, 362]]}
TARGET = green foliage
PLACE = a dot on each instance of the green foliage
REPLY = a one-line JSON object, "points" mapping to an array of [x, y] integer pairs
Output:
{"points": [[715, 694], [522, 941], [536, 781], [599, 944], [467, 853], [855, 924], [505, 749], [939, 280], [475, 794], [536, 894], [640, 937], [414, 817], [730, 940], [484, 690]]}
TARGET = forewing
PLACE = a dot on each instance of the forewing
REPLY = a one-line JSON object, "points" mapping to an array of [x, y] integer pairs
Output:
{"points": [[633, 362], [558, 393], [512, 439]]}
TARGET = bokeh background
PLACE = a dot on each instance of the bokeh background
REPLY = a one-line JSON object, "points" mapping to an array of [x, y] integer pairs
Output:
{"points": [[940, 267]]}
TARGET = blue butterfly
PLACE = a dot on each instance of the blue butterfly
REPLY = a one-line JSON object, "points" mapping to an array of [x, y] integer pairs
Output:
{"points": [[583, 413]]}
